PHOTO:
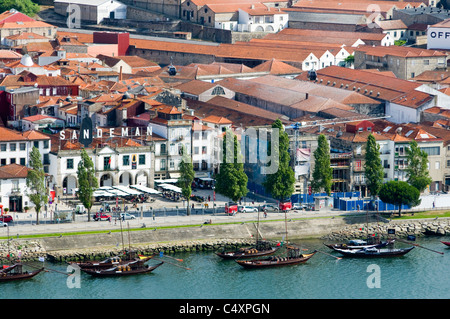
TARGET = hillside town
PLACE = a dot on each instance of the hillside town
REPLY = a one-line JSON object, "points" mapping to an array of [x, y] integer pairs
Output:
{"points": [[149, 78]]}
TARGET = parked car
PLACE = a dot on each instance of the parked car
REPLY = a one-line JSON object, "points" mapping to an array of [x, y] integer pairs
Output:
{"points": [[269, 208], [247, 209], [101, 216], [6, 218], [80, 209], [299, 206], [3, 224], [126, 216]]}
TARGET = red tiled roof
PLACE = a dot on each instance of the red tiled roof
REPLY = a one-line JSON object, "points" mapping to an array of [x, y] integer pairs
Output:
{"points": [[402, 51], [13, 171]]}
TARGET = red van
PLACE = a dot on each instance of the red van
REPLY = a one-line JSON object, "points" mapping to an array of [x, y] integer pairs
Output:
{"points": [[285, 206], [231, 208]]}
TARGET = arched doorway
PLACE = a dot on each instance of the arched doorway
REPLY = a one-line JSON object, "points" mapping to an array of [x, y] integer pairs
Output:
{"points": [[141, 178], [69, 184], [125, 179], [106, 180]]}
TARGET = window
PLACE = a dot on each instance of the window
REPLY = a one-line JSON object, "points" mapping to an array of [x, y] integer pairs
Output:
{"points": [[437, 165], [126, 160], [3, 147], [3, 161], [107, 162], [426, 62], [142, 159], [36, 144], [163, 149], [163, 164], [69, 164], [196, 149], [172, 164], [46, 144], [218, 90], [22, 161], [13, 161], [12, 147], [22, 146], [434, 150]]}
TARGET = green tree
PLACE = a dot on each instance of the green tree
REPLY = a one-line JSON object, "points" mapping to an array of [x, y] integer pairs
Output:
{"points": [[399, 193], [186, 178], [373, 170], [87, 182], [417, 170], [280, 184], [37, 191], [231, 181], [27, 7], [323, 173]]}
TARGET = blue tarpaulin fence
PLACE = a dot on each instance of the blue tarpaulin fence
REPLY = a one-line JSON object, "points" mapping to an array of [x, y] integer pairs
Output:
{"points": [[348, 201]]}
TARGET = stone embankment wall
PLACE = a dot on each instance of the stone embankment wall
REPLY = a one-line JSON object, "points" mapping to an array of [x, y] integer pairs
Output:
{"points": [[210, 238], [438, 227]]}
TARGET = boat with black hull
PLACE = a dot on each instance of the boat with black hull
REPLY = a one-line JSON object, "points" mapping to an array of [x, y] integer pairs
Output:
{"points": [[132, 268], [357, 244], [375, 252], [293, 258], [261, 248], [16, 272], [112, 261]]}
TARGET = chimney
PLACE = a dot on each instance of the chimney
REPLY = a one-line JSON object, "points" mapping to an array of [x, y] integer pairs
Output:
{"points": [[120, 74]]}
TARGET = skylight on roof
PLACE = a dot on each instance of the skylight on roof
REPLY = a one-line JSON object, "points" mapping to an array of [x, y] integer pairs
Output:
{"points": [[387, 129], [409, 133]]}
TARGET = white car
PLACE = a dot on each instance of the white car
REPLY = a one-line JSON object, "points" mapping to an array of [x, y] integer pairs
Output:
{"points": [[3, 224], [248, 209], [125, 216]]}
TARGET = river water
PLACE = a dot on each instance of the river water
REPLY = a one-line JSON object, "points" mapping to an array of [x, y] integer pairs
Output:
{"points": [[420, 274]]}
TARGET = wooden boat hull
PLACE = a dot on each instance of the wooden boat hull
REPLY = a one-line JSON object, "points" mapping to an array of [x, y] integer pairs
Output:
{"points": [[244, 254], [20, 276], [107, 265], [118, 273], [376, 253], [274, 262]]}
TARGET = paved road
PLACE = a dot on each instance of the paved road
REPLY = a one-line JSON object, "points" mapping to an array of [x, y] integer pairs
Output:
{"points": [[28, 226]]}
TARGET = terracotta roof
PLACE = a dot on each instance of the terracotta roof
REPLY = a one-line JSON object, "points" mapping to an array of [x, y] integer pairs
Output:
{"points": [[391, 24], [378, 86], [35, 135], [402, 51], [7, 135], [26, 36], [13, 171], [330, 91], [196, 87], [277, 67], [10, 54], [38, 117], [216, 119], [14, 14], [226, 7], [25, 25], [351, 6]]}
